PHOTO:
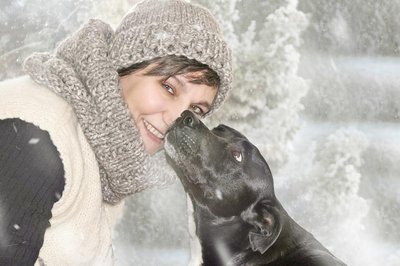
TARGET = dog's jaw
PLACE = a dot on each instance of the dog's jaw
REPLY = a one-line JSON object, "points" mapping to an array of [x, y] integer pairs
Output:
{"points": [[181, 149], [171, 151]]}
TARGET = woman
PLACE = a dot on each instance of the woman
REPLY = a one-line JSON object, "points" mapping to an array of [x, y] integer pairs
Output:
{"points": [[80, 133]]}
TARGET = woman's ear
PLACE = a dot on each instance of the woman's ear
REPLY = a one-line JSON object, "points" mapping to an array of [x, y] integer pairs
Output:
{"points": [[266, 220]]}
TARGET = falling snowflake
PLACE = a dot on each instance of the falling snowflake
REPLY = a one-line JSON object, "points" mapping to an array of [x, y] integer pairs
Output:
{"points": [[218, 193], [15, 128], [34, 141], [58, 195]]}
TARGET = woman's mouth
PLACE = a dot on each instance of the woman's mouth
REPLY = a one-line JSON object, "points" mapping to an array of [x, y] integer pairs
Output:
{"points": [[154, 133]]}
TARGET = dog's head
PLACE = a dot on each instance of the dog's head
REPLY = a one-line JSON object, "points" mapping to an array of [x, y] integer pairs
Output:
{"points": [[225, 173]]}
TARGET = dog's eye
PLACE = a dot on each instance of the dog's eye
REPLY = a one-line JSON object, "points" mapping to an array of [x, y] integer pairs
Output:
{"points": [[237, 155]]}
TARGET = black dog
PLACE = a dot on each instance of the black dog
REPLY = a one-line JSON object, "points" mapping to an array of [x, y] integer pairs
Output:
{"points": [[239, 221]]}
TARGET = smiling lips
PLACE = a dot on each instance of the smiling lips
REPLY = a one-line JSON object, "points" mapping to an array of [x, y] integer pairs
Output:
{"points": [[153, 130]]}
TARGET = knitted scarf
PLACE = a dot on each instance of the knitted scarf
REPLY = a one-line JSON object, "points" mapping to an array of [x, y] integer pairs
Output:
{"points": [[82, 72]]}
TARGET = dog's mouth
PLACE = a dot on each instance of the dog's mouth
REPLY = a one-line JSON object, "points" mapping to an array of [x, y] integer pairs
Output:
{"points": [[182, 146]]}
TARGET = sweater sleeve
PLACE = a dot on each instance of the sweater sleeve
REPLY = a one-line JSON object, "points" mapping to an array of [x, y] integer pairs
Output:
{"points": [[31, 181]]}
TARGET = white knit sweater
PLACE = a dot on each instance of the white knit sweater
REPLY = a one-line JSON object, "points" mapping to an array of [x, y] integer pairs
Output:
{"points": [[82, 224]]}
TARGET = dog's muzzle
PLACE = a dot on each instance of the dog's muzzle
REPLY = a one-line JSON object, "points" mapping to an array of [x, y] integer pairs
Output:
{"points": [[181, 140]]}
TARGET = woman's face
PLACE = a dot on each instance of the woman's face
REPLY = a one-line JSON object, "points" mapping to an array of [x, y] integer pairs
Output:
{"points": [[155, 102]]}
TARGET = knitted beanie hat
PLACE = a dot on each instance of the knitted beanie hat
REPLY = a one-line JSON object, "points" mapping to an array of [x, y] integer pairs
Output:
{"points": [[156, 28]]}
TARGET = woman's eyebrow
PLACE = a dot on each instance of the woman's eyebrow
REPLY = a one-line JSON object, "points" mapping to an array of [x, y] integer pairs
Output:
{"points": [[180, 82], [183, 85]]}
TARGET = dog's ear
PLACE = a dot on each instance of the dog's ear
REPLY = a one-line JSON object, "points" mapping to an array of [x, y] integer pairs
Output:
{"points": [[267, 221]]}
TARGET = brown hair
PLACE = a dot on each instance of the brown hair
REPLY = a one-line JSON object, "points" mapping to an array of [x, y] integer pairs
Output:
{"points": [[172, 65]]}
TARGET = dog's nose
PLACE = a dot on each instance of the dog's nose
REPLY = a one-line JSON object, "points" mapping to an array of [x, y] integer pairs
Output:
{"points": [[189, 119]]}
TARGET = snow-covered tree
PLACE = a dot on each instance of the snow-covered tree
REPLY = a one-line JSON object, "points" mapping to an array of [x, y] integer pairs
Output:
{"points": [[110, 11], [321, 189], [35, 26], [349, 27], [265, 100]]}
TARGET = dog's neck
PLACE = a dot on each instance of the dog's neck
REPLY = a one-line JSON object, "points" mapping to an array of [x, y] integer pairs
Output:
{"points": [[292, 237], [222, 248], [218, 246]]}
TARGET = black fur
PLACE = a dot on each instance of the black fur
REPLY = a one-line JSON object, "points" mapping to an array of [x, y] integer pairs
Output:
{"points": [[239, 221]]}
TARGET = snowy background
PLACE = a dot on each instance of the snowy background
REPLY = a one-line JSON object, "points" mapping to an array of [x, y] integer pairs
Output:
{"points": [[317, 89]]}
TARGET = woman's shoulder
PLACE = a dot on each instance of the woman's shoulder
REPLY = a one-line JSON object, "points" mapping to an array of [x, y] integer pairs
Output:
{"points": [[24, 88], [22, 98]]}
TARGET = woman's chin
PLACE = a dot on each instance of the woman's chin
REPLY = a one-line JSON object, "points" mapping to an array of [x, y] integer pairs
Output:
{"points": [[152, 149]]}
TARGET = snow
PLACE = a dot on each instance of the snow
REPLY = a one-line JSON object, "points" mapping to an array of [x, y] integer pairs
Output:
{"points": [[15, 128], [137, 255], [33, 141], [316, 89], [219, 195], [58, 195]]}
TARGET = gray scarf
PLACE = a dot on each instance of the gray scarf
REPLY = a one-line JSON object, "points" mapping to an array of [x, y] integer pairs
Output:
{"points": [[82, 72]]}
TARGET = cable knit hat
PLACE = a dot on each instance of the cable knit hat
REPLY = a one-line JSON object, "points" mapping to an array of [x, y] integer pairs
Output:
{"points": [[156, 28]]}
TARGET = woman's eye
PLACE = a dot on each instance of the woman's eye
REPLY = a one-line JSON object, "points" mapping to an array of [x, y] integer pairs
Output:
{"points": [[237, 155], [168, 88], [197, 110]]}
